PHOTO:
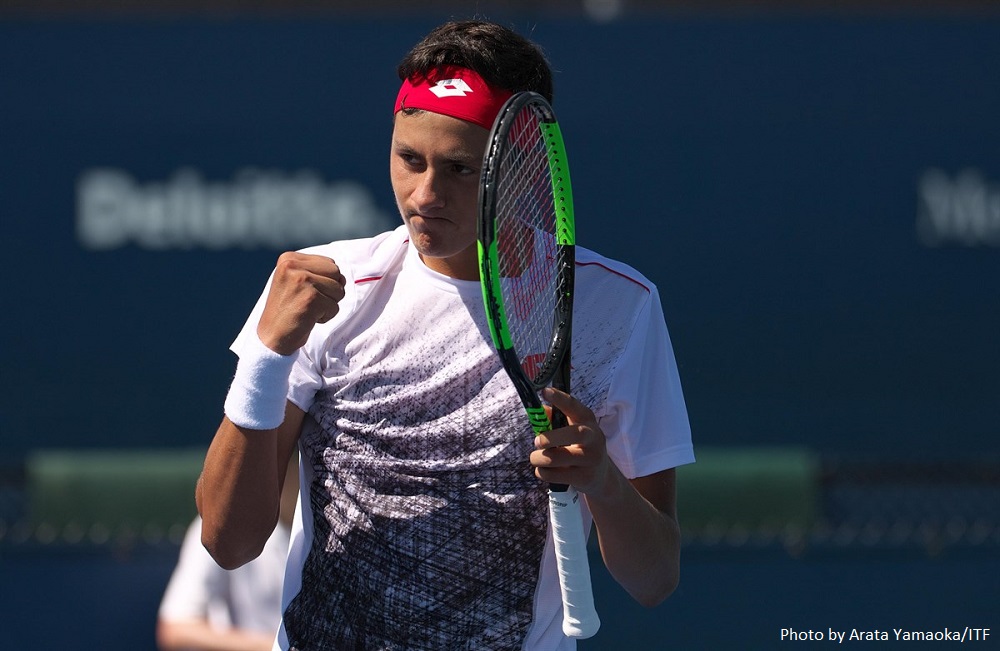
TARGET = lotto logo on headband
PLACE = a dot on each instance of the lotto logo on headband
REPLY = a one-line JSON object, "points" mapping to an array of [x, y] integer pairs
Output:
{"points": [[451, 88], [457, 92]]}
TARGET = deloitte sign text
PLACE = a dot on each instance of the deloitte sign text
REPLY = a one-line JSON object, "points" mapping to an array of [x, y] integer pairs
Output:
{"points": [[256, 209]]}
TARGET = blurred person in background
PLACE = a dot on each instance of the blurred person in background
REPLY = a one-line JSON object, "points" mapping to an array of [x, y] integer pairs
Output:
{"points": [[207, 608]]}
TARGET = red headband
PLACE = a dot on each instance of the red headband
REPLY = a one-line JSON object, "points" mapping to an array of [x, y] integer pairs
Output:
{"points": [[458, 92]]}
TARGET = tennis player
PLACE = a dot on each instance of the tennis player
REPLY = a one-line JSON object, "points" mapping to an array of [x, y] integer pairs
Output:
{"points": [[422, 521]]}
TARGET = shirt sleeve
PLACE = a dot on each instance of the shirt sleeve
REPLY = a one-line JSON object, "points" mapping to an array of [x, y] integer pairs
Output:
{"points": [[646, 420]]}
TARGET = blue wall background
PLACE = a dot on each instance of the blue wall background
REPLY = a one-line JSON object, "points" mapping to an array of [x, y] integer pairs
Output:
{"points": [[764, 172], [817, 198]]}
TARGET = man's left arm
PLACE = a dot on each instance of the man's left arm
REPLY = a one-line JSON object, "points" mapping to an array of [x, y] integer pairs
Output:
{"points": [[636, 519], [639, 535]]}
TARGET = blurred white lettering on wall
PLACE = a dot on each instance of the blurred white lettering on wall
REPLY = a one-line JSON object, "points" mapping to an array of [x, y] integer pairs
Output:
{"points": [[963, 210], [256, 209]]}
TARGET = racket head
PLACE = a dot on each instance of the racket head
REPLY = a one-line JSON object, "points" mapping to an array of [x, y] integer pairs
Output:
{"points": [[526, 244]]}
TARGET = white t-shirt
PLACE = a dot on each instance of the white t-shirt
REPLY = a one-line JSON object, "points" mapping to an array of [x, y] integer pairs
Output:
{"points": [[424, 525], [247, 598]]}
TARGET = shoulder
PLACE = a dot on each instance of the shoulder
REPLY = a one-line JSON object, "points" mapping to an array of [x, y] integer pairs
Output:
{"points": [[600, 267], [365, 258], [601, 279], [611, 299], [369, 267]]}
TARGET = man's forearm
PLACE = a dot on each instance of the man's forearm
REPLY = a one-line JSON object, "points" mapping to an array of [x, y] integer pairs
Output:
{"points": [[238, 493], [639, 535]]}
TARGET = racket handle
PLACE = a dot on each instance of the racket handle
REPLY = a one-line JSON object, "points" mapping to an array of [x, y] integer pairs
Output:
{"points": [[580, 618]]}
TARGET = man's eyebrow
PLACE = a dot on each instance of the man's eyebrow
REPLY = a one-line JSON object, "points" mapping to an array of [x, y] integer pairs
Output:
{"points": [[460, 155], [399, 145], [464, 156]]}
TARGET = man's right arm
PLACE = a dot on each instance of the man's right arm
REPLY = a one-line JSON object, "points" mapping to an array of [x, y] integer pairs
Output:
{"points": [[239, 491]]}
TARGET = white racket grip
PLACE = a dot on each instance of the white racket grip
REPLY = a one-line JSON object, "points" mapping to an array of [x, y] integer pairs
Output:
{"points": [[580, 618]]}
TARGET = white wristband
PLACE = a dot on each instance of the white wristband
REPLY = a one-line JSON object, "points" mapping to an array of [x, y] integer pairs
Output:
{"points": [[256, 399]]}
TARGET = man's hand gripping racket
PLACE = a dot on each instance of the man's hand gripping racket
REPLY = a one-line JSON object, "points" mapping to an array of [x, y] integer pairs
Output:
{"points": [[526, 254]]}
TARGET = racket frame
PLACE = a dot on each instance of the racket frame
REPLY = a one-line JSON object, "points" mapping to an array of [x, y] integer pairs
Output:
{"points": [[580, 619]]}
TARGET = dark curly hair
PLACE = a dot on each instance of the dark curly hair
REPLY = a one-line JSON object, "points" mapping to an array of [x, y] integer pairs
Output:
{"points": [[502, 57]]}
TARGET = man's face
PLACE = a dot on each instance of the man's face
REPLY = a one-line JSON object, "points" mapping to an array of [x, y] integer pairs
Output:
{"points": [[434, 166]]}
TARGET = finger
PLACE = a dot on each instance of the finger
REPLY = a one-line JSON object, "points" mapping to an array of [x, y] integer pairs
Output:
{"points": [[565, 476], [574, 410], [293, 262], [569, 435], [326, 278], [574, 433], [321, 274], [558, 457], [331, 312], [331, 288], [326, 268], [573, 442]]}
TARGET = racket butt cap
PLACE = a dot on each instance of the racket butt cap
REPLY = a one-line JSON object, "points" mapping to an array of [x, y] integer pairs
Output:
{"points": [[581, 630]]}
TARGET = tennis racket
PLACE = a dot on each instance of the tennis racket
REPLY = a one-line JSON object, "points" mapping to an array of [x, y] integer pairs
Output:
{"points": [[526, 257]]}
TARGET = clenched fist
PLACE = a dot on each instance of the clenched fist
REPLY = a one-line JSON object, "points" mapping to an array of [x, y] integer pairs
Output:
{"points": [[305, 290]]}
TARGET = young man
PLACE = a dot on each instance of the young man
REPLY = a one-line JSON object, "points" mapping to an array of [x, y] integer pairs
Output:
{"points": [[422, 522]]}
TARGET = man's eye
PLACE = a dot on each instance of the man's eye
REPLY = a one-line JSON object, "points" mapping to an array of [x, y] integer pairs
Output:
{"points": [[409, 159]]}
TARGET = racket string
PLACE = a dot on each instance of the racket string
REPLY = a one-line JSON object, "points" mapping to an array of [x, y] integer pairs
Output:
{"points": [[526, 242]]}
